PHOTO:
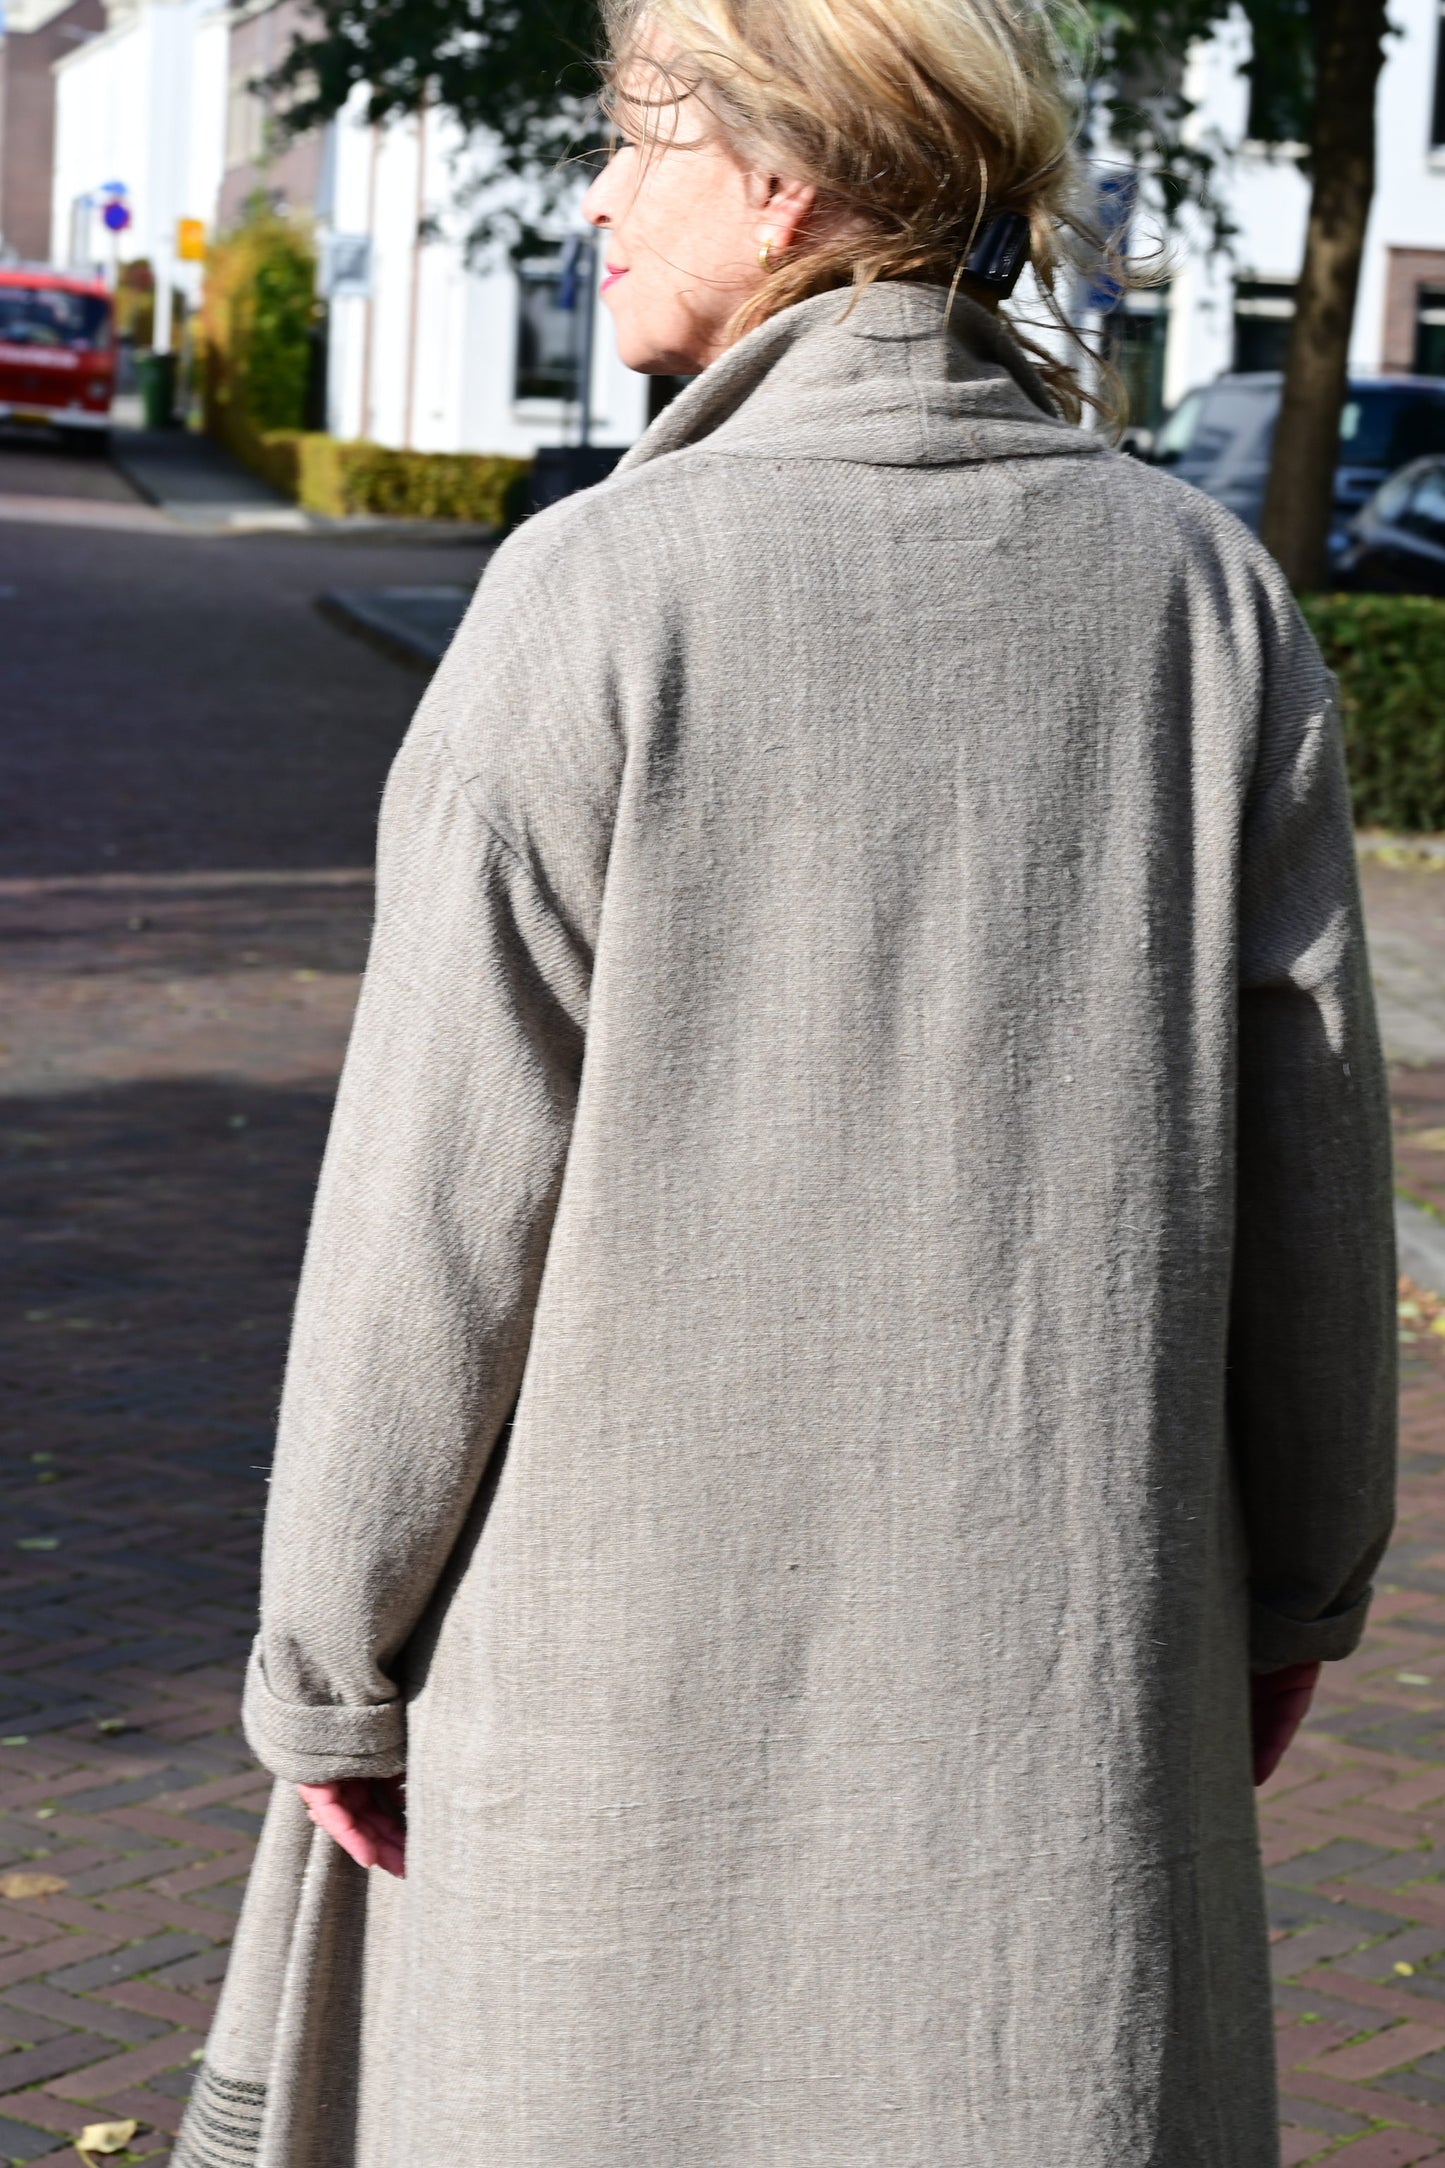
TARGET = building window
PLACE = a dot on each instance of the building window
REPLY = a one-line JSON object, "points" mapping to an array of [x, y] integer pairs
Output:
{"points": [[82, 236], [1263, 310], [245, 124], [1430, 331], [1135, 337], [547, 335], [1281, 75]]}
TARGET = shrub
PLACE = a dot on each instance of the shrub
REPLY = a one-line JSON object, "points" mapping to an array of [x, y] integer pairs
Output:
{"points": [[1388, 652], [341, 478], [258, 318], [274, 454]]}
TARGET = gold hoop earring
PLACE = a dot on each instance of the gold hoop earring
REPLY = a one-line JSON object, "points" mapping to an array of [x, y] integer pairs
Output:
{"points": [[764, 253]]}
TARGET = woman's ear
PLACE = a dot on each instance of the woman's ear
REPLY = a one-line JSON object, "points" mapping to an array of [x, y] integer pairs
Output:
{"points": [[784, 212]]}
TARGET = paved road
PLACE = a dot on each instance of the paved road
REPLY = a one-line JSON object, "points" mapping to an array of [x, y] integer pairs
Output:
{"points": [[189, 770], [31, 465], [174, 703]]}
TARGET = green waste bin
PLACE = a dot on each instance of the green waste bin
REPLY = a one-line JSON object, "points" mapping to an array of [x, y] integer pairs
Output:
{"points": [[156, 375]]}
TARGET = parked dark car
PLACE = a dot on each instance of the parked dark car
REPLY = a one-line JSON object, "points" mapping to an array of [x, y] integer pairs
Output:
{"points": [[1220, 436], [1396, 546]]}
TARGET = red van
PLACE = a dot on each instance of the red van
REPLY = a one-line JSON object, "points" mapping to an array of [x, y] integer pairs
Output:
{"points": [[57, 351]]}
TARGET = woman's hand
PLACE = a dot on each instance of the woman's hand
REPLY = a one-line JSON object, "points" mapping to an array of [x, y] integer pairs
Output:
{"points": [[366, 1816], [1278, 1704]]}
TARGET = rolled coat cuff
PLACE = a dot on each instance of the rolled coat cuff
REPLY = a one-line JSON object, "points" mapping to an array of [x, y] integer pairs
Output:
{"points": [[308, 1743], [1276, 1640]]}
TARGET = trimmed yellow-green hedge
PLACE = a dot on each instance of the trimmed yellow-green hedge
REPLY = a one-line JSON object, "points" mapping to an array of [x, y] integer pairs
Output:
{"points": [[1388, 652], [341, 477]]}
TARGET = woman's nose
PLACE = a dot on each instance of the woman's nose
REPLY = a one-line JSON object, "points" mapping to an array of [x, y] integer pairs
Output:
{"points": [[594, 203]]}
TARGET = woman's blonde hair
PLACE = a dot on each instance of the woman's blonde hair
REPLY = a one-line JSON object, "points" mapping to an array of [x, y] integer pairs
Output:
{"points": [[914, 119]]}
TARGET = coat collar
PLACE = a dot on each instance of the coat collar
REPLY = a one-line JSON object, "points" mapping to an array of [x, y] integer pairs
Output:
{"points": [[873, 377]]}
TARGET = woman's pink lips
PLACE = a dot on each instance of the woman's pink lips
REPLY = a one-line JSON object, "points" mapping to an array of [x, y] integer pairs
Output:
{"points": [[612, 276]]}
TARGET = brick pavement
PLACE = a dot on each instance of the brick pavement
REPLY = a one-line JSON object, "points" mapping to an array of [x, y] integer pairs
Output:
{"points": [[171, 1040], [189, 778], [172, 1047], [1353, 1830]]}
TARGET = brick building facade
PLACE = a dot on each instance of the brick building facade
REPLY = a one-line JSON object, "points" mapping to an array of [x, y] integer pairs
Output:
{"points": [[37, 34]]}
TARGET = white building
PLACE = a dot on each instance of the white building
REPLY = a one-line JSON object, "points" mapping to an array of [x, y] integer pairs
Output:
{"points": [[141, 108], [431, 353], [1232, 311]]}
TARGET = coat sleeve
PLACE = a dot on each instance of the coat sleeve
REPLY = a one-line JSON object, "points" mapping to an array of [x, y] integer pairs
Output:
{"points": [[1312, 1354], [438, 1189]]}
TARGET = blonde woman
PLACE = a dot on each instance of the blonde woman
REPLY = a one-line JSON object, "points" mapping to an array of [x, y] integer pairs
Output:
{"points": [[850, 1297]]}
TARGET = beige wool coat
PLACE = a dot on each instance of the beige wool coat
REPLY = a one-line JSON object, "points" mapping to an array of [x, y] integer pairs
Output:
{"points": [[850, 1294]]}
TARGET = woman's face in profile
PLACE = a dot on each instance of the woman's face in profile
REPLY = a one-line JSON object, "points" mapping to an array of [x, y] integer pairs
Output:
{"points": [[683, 223]]}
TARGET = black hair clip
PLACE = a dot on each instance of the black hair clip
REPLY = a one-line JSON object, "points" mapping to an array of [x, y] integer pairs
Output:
{"points": [[999, 253]]}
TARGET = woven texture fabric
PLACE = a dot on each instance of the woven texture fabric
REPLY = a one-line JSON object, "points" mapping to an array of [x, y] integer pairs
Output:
{"points": [[867, 1062], [223, 2123]]}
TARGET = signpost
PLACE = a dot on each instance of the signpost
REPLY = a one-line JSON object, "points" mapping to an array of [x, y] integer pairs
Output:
{"points": [[346, 266], [115, 216]]}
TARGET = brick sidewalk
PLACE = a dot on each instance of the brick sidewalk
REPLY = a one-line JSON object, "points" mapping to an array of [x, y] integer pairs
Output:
{"points": [[173, 1044], [1354, 1841]]}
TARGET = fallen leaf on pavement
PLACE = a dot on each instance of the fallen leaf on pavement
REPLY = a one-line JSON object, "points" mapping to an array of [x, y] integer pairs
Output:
{"points": [[105, 2138], [32, 1885]]}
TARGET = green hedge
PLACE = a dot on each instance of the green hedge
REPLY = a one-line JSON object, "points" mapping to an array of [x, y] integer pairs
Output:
{"points": [[341, 477], [1388, 652], [258, 318]]}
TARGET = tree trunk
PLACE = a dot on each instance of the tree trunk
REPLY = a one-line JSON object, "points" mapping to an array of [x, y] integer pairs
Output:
{"points": [[1348, 57]]}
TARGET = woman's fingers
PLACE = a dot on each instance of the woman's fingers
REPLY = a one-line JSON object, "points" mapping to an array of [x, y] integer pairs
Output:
{"points": [[384, 1831], [388, 1823], [1279, 1703], [332, 1811], [365, 1818], [370, 1834]]}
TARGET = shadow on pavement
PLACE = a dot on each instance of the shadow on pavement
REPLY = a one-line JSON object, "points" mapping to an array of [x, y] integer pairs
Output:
{"points": [[155, 1237], [155, 1234]]}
